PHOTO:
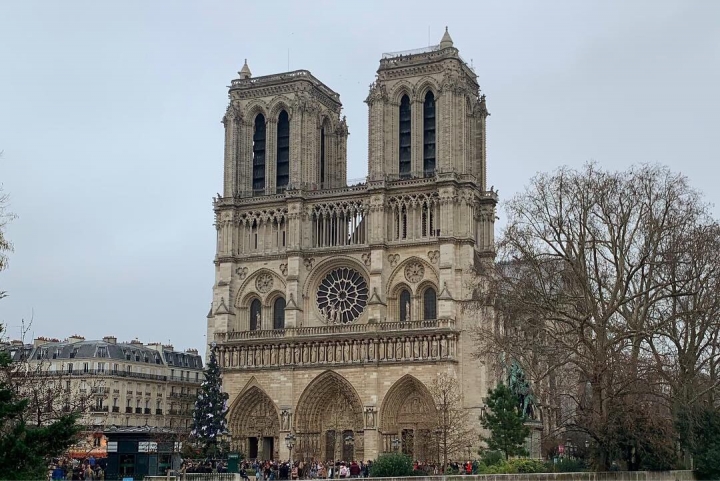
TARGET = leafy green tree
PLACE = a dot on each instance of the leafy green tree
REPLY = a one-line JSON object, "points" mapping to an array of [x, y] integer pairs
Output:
{"points": [[392, 465], [505, 422], [209, 416]]}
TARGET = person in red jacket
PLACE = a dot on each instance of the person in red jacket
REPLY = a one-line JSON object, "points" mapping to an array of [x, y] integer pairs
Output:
{"points": [[354, 470]]}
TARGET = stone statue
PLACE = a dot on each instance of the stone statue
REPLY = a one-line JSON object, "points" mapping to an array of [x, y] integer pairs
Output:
{"points": [[285, 419], [258, 320], [520, 387]]}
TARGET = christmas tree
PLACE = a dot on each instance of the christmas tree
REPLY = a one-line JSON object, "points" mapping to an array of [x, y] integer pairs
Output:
{"points": [[506, 422], [210, 408]]}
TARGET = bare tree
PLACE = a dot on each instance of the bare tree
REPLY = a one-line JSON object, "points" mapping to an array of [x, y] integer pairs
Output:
{"points": [[583, 288], [453, 430]]}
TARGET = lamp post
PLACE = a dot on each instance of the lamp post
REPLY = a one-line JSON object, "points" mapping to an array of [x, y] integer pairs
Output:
{"points": [[469, 448], [437, 433], [290, 443]]}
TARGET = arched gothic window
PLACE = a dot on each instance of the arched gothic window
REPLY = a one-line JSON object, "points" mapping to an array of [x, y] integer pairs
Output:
{"points": [[429, 304], [255, 315], [405, 121], [258, 176], [429, 135], [405, 309], [279, 313], [282, 177], [322, 158]]}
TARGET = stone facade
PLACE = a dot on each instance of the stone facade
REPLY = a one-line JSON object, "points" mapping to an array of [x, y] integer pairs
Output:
{"points": [[335, 305]]}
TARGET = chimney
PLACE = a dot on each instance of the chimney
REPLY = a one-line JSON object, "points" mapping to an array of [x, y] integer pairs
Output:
{"points": [[191, 351], [110, 339], [39, 341], [168, 347], [157, 346], [136, 342], [75, 338], [16, 342]]}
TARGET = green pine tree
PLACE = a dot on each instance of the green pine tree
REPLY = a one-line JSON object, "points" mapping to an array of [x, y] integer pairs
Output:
{"points": [[505, 422], [209, 415], [26, 450]]}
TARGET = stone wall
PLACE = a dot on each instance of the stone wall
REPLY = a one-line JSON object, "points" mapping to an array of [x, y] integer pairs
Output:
{"points": [[684, 475]]}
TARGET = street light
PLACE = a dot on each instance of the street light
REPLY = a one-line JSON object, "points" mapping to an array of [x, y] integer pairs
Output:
{"points": [[290, 443], [469, 448]]}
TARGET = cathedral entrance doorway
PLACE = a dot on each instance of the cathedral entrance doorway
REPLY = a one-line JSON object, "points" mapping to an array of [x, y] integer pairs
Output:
{"points": [[329, 421], [255, 425], [407, 420]]}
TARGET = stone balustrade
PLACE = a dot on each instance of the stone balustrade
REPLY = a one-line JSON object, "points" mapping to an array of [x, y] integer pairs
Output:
{"points": [[374, 347]]}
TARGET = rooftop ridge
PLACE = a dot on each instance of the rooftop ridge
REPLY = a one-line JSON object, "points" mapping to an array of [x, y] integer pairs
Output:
{"points": [[244, 83]]}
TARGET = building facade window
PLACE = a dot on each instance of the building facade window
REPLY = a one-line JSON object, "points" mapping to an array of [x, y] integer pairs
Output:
{"points": [[429, 135], [429, 304], [282, 175], [405, 162], [255, 315], [405, 309], [258, 177], [279, 313]]}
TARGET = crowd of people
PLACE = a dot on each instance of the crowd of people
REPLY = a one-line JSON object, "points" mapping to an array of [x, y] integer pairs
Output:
{"points": [[76, 469], [277, 470]]}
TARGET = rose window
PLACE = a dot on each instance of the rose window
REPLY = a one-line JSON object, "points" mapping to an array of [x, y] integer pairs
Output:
{"points": [[342, 296]]}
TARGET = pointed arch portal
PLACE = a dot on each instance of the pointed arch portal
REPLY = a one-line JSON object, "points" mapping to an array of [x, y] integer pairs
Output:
{"points": [[329, 420], [407, 416], [255, 425]]}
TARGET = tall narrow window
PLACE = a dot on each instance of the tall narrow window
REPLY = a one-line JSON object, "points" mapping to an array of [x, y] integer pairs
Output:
{"points": [[429, 304], [322, 158], [405, 309], [279, 313], [258, 179], [429, 135], [255, 315], [405, 164], [283, 151]]}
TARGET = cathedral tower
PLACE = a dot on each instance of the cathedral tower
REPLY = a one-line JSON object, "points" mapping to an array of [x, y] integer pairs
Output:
{"points": [[335, 306]]}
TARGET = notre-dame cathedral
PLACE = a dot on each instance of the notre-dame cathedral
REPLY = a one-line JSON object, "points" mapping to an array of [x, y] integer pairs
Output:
{"points": [[334, 305]]}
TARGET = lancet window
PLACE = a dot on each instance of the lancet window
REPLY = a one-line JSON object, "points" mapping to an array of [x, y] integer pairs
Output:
{"points": [[404, 167], [338, 224], [255, 315], [429, 135], [279, 313], [323, 181], [258, 178], [429, 304], [404, 305], [282, 177]]}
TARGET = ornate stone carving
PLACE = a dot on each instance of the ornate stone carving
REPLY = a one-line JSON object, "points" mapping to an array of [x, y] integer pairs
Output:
{"points": [[433, 256], [366, 257], [342, 296], [264, 283], [241, 272], [309, 263], [414, 272], [394, 259], [283, 269]]}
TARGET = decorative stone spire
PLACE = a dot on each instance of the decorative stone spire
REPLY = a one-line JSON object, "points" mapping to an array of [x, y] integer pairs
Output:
{"points": [[446, 41], [245, 71]]}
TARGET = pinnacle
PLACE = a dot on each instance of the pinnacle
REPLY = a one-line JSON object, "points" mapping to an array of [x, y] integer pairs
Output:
{"points": [[446, 40], [245, 71]]}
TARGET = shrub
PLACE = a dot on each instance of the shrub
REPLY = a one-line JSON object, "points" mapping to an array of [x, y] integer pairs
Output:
{"points": [[391, 465], [492, 458], [565, 465]]}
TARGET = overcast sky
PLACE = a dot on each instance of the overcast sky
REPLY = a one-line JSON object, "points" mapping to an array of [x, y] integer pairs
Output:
{"points": [[110, 124]]}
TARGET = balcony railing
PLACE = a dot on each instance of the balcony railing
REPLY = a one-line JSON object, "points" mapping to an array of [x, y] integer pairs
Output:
{"points": [[116, 409], [128, 410], [111, 373], [148, 411], [99, 409], [158, 411], [138, 410], [332, 330]]}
